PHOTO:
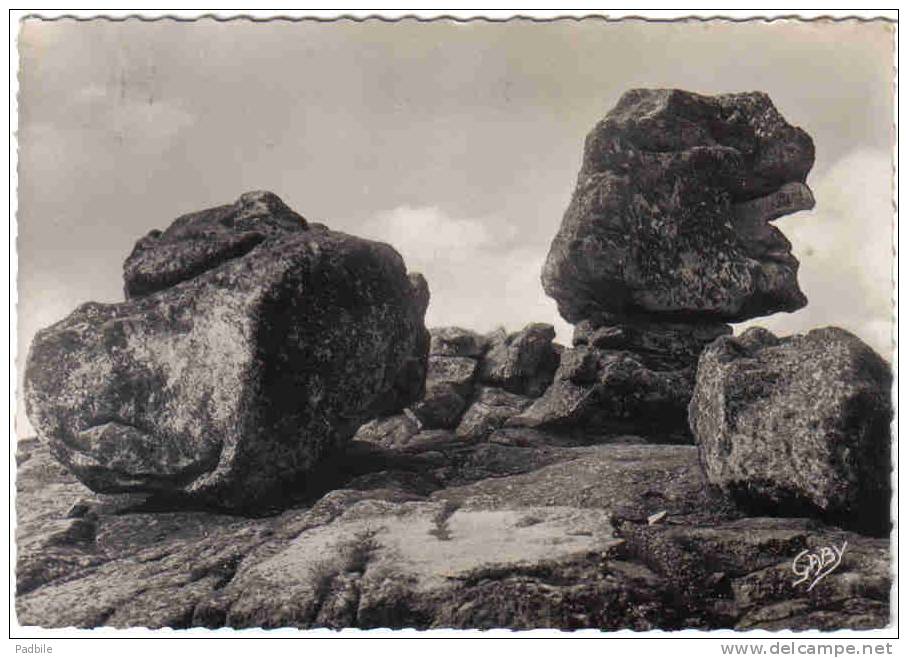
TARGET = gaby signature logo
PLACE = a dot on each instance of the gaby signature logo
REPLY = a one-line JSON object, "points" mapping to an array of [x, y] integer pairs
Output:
{"points": [[814, 565]]}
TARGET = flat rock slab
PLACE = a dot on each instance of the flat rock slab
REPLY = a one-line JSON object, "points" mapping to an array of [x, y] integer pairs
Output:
{"points": [[443, 535], [411, 557]]}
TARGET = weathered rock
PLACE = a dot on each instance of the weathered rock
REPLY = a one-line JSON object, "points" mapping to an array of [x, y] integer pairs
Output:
{"points": [[658, 345], [492, 408], [797, 425], [449, 386], [389, 431], [441, 408], [410, 383], [523, 362], [232, 383], [628, 480], [476, 536], [454, 341], [203, 240], [670, 215], [741, 573], [458, 371], [609, 390]]}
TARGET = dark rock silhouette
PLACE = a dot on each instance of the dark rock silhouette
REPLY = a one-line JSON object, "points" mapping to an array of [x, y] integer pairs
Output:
{"points": [[229, 384], [797, 425]]}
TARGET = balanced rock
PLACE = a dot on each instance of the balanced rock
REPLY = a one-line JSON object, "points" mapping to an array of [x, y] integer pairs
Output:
{"points": [[522, 362], [252, 345], [670, 215], [666, 239], [797, 425]]}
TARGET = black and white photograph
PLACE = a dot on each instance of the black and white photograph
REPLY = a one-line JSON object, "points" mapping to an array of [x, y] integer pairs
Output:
{"points": [[410, 326]]}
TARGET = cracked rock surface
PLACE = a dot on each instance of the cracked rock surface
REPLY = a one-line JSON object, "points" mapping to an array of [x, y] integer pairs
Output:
{"points": [[523, 530]]}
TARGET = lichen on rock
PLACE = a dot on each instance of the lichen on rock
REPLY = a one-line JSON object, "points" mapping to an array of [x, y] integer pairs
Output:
{"points": [[228, 379]]}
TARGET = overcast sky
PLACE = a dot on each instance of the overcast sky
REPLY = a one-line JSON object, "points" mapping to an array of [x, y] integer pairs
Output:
{"points": [[457, 143]]}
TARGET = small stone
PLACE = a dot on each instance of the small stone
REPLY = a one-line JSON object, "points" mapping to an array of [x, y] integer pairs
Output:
{"points": [[658, 517], [78, 510], [390, 431]]}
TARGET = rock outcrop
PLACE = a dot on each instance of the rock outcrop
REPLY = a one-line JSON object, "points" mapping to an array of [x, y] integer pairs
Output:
{"points": [[474, 383], [797, 425], [523, 362], [611, 391], [668, 237], [449, 386], [491, 410], [501, 481], [252, 345], [455, 341], [484, 535]]}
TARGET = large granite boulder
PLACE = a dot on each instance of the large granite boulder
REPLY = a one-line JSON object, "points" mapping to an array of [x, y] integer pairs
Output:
{"points": [[797, 425], [670, 215], [232, 370], [465, 536]]}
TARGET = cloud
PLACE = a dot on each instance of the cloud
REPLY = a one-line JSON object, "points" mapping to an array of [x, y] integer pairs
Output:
{"points": [[97, 127], [481, 275], [845, 247], [130, 112]]}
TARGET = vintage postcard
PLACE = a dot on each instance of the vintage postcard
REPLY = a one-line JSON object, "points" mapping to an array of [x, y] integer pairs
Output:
{"points": [[404, 325]]}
